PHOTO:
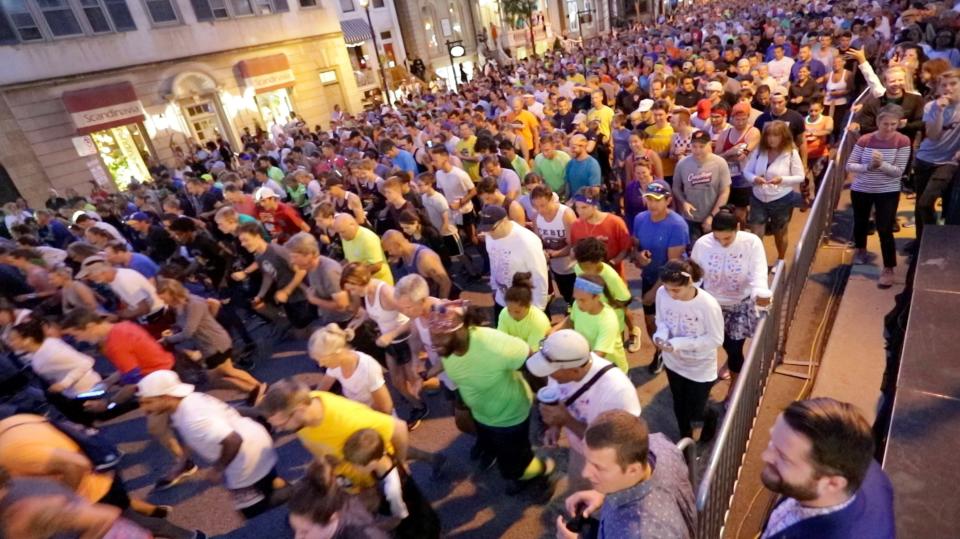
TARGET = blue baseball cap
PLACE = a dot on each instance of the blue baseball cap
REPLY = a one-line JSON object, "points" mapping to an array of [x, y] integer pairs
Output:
{"points": [[658, 189], [139, 216]]}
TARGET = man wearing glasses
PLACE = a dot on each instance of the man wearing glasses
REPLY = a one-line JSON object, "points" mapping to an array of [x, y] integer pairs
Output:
{"points": [[580, 386]]}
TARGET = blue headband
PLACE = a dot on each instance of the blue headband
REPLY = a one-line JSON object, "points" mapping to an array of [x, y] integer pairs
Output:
{"points": [[589, 287]]}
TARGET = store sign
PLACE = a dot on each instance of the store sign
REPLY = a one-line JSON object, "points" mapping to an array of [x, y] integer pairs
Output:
{"points": [[277, 79], [84, 145], [111, 114]]}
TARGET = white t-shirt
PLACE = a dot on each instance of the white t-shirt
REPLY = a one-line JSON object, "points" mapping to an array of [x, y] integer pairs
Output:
{"points": [[58, 362], [132, 288], [455, 185], [612, 391], [367, 378], [203, 422], [436, 206], [519, 251], [731, 274], [695, 330]]}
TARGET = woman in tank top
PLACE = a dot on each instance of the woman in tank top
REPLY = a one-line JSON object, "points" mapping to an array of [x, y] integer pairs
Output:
{"points": [[735, 144], [380, 307], [553, 224], [837, 97]]}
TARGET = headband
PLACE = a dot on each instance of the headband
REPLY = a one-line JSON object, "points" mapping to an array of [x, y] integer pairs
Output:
{"points": [[447, 317], [589, 287]]}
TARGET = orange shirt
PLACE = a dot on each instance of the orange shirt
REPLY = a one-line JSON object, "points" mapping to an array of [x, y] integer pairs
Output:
{"points": [[28, 444], [129, 346], [612, 231], [530, 126]]}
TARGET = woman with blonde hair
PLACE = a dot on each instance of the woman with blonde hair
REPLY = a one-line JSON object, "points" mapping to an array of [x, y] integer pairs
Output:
{"points": [[198, 324], [380, 307], [774, 168], [360, 376]]}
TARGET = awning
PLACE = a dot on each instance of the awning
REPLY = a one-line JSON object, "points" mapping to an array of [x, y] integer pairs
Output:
{"points": [[267, 73], [355, 31], [103, 107]]}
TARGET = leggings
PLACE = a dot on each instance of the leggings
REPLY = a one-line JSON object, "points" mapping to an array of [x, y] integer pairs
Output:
{"points": [[734, 350], [885, 206], [689, 401]]}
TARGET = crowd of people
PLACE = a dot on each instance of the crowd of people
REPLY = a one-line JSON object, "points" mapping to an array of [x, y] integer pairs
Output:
{"points": [[670, 148]]}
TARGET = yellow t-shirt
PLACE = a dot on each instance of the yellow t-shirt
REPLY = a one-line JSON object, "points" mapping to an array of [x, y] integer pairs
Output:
{"points": [[659, 142], [465, 148], [341, 418], [605, 115], [532, 328], [28, 443], [365, 247]]}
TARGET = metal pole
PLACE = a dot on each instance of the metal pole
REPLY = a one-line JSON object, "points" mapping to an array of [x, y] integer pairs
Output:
{"points": [[453, 68], [376, 53]]}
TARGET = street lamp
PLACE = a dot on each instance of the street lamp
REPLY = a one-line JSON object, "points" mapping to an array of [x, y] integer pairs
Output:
{"points": [[583, 15], [365, 4], [455, 50]]}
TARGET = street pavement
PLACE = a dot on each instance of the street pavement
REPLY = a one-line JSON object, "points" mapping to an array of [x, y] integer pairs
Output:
{"points": [[471, 504]]}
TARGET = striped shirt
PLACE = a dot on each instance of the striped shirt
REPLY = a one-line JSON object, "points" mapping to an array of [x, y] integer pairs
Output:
{"points": [[886, 178]]}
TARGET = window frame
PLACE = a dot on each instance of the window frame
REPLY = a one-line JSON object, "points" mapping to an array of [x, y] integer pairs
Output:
{"points": [[37, 24], [78, 10], [39, 16], [353, 6], [176, 13], [316, 4], [274, 5]]}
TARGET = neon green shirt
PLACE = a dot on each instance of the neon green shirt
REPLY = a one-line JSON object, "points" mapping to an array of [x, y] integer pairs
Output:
{"points": [[531, 328], [465, 148], [615, 285], [489, 379], [602, 331], [552, 169], [365, 247], [520, 166]]}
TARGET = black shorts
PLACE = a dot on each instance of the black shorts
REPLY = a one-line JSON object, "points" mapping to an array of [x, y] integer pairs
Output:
{"points": [[740, 196], [774, 215], [255, 499], [651, 309], [217, 359], [400, 351], [117, 496]]}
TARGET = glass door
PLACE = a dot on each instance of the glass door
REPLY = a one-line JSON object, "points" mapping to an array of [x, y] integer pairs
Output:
{"points": [[204, 122]]}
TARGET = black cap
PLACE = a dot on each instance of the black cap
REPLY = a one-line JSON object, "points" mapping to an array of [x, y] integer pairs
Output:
{"points": [[700, 136], [490, 215]]}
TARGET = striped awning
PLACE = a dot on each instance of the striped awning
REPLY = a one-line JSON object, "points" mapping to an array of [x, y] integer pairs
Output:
{"points": [[355, 31]]}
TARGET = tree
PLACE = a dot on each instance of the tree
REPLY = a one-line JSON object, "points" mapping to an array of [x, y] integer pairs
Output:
{"points": [[521, 10]]}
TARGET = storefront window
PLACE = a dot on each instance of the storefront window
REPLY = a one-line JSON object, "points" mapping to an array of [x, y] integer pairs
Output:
{"points": [[275, 106], [124, 152]]}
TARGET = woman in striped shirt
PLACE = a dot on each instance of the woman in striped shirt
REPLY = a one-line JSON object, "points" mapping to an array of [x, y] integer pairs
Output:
{"points": [[877, 161]]}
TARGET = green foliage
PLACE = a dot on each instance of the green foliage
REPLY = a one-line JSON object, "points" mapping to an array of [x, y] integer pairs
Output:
{"points": [[518, 10]]}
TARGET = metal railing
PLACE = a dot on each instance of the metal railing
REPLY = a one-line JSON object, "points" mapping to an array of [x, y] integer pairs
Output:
{"points": [[720, 477]]}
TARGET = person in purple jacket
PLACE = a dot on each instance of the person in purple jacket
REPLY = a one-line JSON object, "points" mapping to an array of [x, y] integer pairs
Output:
{"points": [[820, 460]]}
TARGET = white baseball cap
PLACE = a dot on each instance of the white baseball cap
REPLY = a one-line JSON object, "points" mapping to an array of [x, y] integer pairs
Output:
{"points": [[645, 105], [564, 349], [265, 192], [161, 384]]}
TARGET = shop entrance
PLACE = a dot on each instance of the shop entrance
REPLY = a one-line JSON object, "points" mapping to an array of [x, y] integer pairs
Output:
{"points": [[204, 122], [124, 151]]}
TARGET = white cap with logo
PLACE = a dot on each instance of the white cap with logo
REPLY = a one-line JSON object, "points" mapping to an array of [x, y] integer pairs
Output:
{"points": [[564, 349]]}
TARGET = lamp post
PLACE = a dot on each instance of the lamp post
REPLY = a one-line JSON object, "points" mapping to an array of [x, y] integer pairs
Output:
{"points": [[365, 4], [455, 50]]}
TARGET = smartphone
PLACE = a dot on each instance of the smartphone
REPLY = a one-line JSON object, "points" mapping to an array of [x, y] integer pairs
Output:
{"points": [[93, 394]]}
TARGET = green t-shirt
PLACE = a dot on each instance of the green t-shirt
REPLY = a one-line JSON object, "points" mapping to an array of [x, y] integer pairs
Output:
{"points": [[532, 328], [552, 169], [365, 247], [615, 285], [602, 331], [244, 218], [489, 377], [465, 148], [520, 166]]}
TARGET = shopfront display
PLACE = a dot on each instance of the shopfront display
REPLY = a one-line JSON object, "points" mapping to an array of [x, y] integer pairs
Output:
{"points": [[271, 79], [112, 116]]}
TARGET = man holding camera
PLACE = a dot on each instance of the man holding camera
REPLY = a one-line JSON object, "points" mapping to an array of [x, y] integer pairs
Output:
{"points": [[640, 484]]}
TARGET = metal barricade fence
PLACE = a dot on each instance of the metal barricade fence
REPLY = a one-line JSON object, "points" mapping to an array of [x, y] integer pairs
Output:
{"points": [[719, 479]]}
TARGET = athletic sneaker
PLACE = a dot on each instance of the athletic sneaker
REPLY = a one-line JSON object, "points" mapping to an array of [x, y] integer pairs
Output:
{"points": [[185, 471], [656, 364], [416, 417], [886, 278], [633, 343]]}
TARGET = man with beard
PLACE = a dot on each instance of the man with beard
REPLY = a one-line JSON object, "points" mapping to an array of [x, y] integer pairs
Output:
{"points": [[820, 460]]}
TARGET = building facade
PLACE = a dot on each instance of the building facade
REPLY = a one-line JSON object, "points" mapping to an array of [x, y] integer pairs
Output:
{"points": [[429, 26], [96, 90], [390, 50]]}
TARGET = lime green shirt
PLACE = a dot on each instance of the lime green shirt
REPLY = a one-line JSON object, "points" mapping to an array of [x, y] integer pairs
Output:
{"points": [[531, 328], [520, 166], [465, 147], [602, 331], [552, 169], [615, 285], [365, 247], [489, 379]]}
